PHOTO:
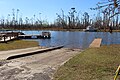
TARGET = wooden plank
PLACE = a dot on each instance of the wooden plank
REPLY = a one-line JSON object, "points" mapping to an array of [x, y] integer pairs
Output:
{"points": [[96, 43]]}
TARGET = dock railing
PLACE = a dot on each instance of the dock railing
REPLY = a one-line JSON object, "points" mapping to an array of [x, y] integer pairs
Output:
{"points": [[8, 36]]}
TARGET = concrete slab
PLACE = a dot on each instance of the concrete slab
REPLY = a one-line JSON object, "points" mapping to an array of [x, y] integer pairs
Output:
{"points": [[7, 55], [36, 67], [96, 42]]}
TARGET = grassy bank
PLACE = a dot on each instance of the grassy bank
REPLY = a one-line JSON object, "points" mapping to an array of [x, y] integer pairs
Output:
{"points": [[18, 44], [91, 64]]}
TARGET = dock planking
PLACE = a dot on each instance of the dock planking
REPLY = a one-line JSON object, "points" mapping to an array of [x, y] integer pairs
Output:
{"points": [[96, 43]]}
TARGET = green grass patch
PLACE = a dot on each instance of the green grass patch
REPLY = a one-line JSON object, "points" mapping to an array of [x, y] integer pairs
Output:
{"points": [[92, 64], [18, 44]]}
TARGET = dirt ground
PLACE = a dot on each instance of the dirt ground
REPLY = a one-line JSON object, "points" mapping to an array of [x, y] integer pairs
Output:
{"points": [[36, 67]]}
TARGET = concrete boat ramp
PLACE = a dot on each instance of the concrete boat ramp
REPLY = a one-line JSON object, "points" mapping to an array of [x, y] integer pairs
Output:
{"points": [[35, 67], [12, 54]]}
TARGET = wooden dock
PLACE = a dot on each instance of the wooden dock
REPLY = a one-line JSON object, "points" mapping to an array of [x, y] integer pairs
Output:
{"points": [[33, 36], [96, 43], [44, 35], [8, 36], [5, 37]]}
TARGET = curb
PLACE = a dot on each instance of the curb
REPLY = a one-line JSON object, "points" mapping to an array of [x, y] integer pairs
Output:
{"points": [[33, 52]]}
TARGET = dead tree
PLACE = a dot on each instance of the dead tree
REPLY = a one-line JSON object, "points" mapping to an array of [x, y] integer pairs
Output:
{"points": [[86, 19], [71, 18]]}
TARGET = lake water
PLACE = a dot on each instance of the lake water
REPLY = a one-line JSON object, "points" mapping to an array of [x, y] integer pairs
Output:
{"points": [[76, 39]]}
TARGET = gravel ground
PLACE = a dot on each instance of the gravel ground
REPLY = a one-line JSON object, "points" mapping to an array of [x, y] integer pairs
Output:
{"points": [[36, 67]]}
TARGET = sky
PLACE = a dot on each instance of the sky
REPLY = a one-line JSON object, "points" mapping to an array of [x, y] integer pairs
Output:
{"points": [[46, 8]]}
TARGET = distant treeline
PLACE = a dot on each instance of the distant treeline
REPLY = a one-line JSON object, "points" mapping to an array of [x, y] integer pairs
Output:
{"points": [[73, 20]]}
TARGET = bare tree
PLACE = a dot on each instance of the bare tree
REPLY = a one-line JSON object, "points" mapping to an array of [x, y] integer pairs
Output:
{"points": [[86, 19], [13, 19], [17, 16], [72, 18], [111, 5]]}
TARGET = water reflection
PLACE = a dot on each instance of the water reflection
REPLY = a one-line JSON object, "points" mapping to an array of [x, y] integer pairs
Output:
{"points": [[76, 39]]}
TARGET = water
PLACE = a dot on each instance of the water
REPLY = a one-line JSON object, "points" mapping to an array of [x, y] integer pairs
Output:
{"points": [[76, 39]]}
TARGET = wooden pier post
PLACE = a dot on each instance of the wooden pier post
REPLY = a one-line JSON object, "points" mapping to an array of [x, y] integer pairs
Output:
{"points": [[4, 37]]}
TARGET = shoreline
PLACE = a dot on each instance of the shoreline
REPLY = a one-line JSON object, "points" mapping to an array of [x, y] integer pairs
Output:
{"points": [[61, 29]]}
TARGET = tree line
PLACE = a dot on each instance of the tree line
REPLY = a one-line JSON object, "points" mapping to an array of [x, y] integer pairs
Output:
{"points": [[107, 16]]}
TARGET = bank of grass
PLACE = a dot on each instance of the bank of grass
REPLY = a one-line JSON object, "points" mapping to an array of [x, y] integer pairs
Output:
{"points": [[18, 44], [92, 64]]}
